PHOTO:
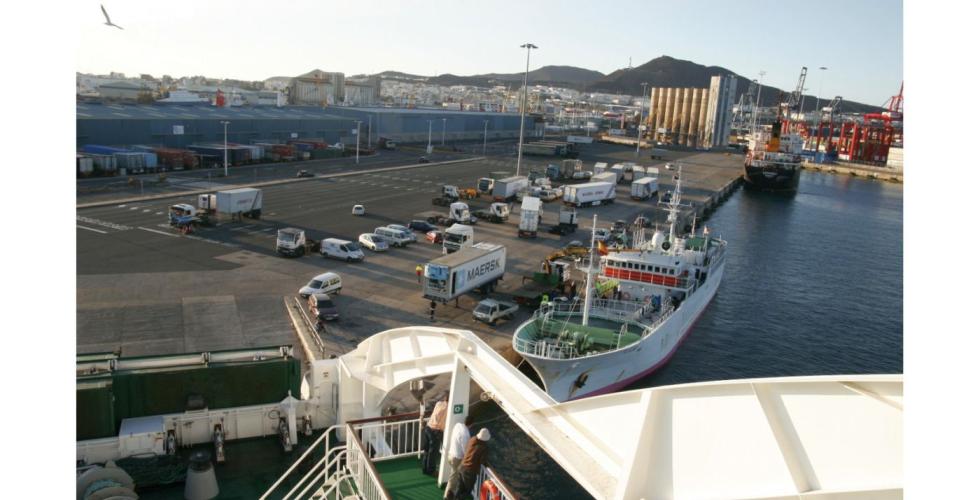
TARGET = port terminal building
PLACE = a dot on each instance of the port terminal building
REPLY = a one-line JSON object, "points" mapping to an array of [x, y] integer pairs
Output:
{"points": [[693, 117]]}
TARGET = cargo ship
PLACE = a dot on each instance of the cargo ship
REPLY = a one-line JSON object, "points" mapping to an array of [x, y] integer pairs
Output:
{"points": [[773, 160], [592, 346]]}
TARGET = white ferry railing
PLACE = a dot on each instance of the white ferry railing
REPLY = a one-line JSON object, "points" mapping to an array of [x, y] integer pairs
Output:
{"points": [[488, 474], [362, 470], [325, 441], [323, 473], [391, 437]]}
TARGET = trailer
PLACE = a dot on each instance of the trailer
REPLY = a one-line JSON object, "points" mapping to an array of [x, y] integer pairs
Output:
{"points": [[609, 177], [643, 189], [459, 212], [530, 217], [480, 266], [245, 202], [496, 213], [567, 222], [506, 189], [590, 193]]}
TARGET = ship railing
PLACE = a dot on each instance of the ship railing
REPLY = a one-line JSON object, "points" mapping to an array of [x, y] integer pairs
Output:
{"points": [[488, 474], [390, 437], [546, 349], [319, 470], [362, 470]]}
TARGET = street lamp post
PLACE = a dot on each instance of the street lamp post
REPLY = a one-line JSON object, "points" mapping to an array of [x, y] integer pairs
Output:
{"points": [[369, 131], [819, 91], [428, 148], [225, 123], [639, 124], [357, 148], [485, 124], [443, 131], [520, 139]]}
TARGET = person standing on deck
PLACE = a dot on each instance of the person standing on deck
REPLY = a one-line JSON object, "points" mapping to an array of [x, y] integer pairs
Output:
{"points": [[433, 431], [457, 450], [469, 469]]}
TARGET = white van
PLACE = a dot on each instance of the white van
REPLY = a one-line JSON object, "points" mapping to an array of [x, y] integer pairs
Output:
{"points": [[341, 249], [322, 283], [394, 237]]}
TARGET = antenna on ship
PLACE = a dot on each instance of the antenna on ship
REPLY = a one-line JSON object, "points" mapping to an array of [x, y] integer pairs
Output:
{"points": [[589, 272], [675, 200]]}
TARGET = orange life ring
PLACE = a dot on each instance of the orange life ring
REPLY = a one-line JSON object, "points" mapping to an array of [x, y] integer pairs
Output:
{"points": [[489, 491]]}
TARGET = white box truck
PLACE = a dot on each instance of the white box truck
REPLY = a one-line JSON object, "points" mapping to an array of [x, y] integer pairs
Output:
{"points": [[506, 189], [590, 193], [244, 201], [644, 188], [530, 216], [600, 167], [479, 266]]}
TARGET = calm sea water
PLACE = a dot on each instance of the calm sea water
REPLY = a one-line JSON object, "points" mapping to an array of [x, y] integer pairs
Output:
{"points": [[813, 286]]}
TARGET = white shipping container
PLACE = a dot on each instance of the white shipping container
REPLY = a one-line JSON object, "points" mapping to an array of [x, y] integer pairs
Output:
{"points": [[530, 211], [590, 193], [896, 158], [579, 139], [455, 274], [600, 167], [507, 188], [644, 188], [85, 165], [619, 169], [609, 177], [243, 200]]}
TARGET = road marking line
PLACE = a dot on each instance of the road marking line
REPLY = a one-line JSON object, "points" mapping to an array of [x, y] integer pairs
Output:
{"points": [[121, 206], [134, 208], [102, 223], [172, 235], [90, 229], [158, 213], [146, 210]]}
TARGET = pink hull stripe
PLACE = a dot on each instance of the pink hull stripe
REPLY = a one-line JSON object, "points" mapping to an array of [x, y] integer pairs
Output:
{"points": [[623, 383]]}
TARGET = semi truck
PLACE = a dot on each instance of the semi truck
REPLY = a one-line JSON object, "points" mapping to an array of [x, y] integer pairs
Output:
{"points": [[458, 212], [567, 170], [530, 216], [550, 148], [506, 189], [457, 237], [644, 188], [567, 222], [589, 194], [496, 213], [480, 266]]}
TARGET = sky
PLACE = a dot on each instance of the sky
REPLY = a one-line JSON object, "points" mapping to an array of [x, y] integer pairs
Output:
{"points": [[858, 41]]}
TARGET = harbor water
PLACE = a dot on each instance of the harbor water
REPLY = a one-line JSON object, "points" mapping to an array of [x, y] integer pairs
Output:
{"points": [[812, 286]]}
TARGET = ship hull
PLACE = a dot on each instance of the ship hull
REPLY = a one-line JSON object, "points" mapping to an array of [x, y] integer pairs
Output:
{"points": [[772, 178], [567, 379]]}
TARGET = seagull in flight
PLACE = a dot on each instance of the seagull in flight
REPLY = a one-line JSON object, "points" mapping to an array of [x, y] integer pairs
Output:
{"points": [[108, 22]]}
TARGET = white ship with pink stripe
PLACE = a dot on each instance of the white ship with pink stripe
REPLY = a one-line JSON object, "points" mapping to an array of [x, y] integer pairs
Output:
{"points": [[592, 346]]}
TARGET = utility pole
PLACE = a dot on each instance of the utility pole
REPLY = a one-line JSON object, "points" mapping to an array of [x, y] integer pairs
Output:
{"points": [[485, 123], [369, 132], [520, 140], [758, 98], [639, 124], [443, 131], [429, 147], [819, 91], [225, 123], [357, 148]]}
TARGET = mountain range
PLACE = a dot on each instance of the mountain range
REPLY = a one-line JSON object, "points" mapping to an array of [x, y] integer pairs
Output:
{"points": [[663, 71]]}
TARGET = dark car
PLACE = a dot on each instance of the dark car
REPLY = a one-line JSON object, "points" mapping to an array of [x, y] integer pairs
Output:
{"points": [[322, 308], [618, 226], [304, 173], [424, 159], [421, 225]]}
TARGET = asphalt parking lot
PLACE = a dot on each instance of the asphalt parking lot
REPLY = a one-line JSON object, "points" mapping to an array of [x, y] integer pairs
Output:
{"points": [[144, 289]]}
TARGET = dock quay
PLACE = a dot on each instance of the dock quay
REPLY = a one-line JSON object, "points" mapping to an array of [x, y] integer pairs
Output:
{"points": [[144, 289], [858, 170]]}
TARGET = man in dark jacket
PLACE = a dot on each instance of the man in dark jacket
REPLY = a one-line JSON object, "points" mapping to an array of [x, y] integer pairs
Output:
{"points": [[475, 457]]}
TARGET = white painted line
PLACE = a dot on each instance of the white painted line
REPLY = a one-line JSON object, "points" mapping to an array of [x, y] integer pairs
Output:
{"points": [[121, 206], [134, 208], [146, 210], [90, 229], [158, 213], [266, 229], [172, 235]]}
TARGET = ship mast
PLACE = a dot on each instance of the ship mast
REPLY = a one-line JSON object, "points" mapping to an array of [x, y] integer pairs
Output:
{"points": [[675, 201], [589, 272]]}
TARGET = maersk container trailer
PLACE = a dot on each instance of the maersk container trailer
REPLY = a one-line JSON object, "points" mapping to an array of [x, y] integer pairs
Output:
{"points": [[478, 266], [590, 193]]}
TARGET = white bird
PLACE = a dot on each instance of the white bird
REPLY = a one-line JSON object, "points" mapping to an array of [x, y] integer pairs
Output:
{"points": [[108, 22]]}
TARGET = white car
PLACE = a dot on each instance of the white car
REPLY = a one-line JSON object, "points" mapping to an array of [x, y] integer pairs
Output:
{"points": [[329, 283], [404, 229], [602, 234], [373, 242], [357, 210]]}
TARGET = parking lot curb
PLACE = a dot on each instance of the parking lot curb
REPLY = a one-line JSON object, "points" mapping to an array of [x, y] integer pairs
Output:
{"points": [[164, 196]]}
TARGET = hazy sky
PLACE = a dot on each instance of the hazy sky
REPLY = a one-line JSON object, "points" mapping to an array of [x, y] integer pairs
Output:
{"points": [[859, 41]]}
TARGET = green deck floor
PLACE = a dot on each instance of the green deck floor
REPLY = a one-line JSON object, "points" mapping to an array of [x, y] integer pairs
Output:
{"points": [[403, 479]]}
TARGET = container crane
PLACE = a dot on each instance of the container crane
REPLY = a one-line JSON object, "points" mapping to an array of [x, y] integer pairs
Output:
{"points": [[870, 140]]}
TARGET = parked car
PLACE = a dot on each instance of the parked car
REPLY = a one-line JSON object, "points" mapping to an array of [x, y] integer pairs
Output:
{"points": [[322, 308], [434, 236], [403, 229], [322, 283], [373, 242], [602, 234], [618, 227], [424, 159], [422, 226], [357, 210], [304, 173], [341, 249]]}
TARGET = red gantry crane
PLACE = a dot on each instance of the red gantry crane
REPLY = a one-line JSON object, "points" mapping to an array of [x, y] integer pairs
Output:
{"points": [[870, 140]]}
